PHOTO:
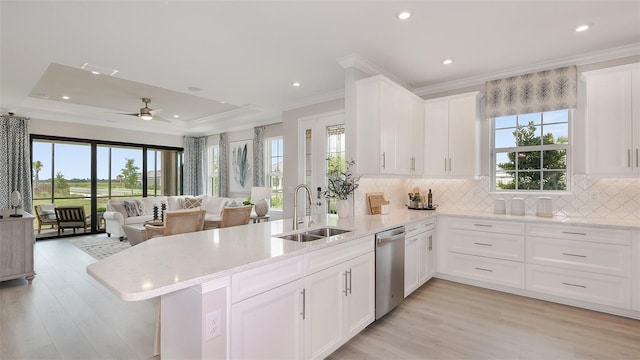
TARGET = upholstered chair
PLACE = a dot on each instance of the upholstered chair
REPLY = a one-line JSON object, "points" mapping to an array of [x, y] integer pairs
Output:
{"points": [[233, 216], [178, 222]]}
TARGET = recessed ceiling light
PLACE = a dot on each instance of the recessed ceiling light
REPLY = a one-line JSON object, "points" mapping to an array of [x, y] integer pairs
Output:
{"points": [[176, 116], [582, 28], [404, 15], [95, 72], [222, 102], [447, 61], [65, 97], [296, 84]]}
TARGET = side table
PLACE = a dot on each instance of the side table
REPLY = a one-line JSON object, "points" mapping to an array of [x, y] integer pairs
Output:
{"points": [[257, 218]]}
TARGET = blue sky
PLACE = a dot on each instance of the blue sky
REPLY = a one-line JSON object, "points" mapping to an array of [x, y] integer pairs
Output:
{"points": [[74, 161]]}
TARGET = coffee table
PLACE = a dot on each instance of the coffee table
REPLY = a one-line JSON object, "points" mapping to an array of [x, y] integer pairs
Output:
{"points": [[136, 233]]}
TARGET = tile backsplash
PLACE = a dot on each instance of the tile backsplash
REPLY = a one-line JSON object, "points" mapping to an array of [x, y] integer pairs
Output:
{"points": [[590, 198]]}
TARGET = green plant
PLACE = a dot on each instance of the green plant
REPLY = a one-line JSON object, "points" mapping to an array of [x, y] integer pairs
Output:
{"points": [[340, 183], [247, 202]]}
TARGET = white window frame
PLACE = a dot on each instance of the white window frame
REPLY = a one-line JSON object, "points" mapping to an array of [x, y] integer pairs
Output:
{"points": [[268, 156], [567, 147]]}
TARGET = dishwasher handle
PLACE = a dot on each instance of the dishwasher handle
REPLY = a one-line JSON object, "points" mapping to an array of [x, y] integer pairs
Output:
{"points": [[387, 239]]}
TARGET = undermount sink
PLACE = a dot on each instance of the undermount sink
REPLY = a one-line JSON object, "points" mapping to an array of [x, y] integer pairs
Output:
{"points": [[315, 234], [326, 232]]}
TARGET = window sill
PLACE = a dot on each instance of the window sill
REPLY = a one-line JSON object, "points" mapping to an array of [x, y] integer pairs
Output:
{"points": [[532, 193]]}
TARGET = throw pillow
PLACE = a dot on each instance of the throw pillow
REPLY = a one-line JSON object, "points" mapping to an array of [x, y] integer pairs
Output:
{"points": [[132, 208], [120, 208], [192, 203]]}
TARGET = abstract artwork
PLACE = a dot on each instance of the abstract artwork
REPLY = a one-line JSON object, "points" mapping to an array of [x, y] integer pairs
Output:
{"points": [[240, 163]]}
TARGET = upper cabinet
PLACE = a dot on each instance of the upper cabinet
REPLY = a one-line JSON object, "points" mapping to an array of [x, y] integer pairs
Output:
{"points": [[613, 121], [390, 124], [452, 136]]}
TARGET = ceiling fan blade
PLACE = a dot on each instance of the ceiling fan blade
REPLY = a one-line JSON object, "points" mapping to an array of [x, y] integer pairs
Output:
{"points": [[156, 111]]}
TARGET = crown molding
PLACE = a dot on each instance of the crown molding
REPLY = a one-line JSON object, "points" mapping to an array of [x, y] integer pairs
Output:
{"points": [[360, 63], [584, 59]]}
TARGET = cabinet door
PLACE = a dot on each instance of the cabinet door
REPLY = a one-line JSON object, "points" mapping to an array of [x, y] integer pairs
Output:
{"points": [[609, 120], [325, 294], [416, 136], [412, 253], [462, 136], [427, 256], [635, 91], [436, 115], [16, 248], [269, 325], [389, 111], [361, 294]]}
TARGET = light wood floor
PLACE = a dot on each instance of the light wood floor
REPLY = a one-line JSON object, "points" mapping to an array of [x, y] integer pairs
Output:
{"points": [[65, 314], [446, 320]]}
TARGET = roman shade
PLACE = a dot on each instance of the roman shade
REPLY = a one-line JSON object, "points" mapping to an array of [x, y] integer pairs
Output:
{"points": [[536, 92]]}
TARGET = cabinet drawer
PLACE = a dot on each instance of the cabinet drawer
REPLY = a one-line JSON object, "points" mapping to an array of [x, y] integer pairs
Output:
{"points": [[333, 255], [501, 246], [258, 280], [502, 272], [583, 233], [580, 255], [420, 227], [494, 226], [579, 285]]}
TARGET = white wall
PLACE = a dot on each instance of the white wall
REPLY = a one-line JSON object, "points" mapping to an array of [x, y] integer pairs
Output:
{"points": [[91, 132]]}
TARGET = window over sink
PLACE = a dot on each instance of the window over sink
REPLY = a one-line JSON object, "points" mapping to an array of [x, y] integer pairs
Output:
{"points": [[531, 152]]}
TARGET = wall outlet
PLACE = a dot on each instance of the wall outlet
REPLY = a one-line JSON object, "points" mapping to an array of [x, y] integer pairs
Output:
{"points": [[213, 325]]}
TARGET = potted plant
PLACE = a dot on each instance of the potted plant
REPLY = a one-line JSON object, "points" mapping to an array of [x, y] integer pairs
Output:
{"points": [[341, 183]]}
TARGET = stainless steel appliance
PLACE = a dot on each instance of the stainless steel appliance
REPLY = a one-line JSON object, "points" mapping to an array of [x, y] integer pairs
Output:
{"points": [[389, 270]]}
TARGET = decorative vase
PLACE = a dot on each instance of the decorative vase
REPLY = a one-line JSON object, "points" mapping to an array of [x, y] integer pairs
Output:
{"points": [[261, 207], [343, 208]]}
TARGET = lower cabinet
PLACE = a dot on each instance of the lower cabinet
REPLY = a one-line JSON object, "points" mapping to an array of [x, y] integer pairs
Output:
{"points": [[419, 255], [339, 304]]}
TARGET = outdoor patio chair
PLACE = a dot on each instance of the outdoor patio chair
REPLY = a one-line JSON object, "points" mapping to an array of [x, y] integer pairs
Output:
{"points": [[46, 215], [71, 217]]}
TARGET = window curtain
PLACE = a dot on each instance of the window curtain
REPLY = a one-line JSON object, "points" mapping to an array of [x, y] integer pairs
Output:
{"points": [[195, 165], [258, 156], [223, 165], [537, 92], [15, 161]]}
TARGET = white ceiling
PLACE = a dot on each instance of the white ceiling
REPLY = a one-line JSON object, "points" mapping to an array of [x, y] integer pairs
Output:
{"points": [[247, 54]]}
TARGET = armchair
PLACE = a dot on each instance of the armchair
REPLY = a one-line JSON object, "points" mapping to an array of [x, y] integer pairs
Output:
{"points": [[46, 215], [233, 216], [178, 222], [71, 217]]}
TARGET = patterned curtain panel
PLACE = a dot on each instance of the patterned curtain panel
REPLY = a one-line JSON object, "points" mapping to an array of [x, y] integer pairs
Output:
{"points": [[258, 156], [223, 165], [542, 91], [195, 165], [15, 161]]}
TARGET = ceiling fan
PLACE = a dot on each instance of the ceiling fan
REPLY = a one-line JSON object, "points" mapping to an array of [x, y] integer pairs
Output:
{"points": [[147, 113]]}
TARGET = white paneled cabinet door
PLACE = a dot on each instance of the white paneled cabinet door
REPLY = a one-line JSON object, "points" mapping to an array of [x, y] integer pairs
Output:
{"points": [[412, 251], [462, 136], [361, 294], [613, 121], [436, 114], [416, 134], [389, 131], [269, 325], [427, 256], [325, 293]]}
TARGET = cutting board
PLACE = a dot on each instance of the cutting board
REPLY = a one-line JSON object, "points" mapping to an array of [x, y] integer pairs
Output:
{"points": [[375, 201]]}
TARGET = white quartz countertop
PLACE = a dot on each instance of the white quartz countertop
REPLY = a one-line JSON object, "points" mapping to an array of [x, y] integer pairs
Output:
{"points": [[166, 264]]}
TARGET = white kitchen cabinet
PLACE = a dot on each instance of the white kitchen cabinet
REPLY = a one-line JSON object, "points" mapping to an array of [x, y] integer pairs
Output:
{"points": [[270, 325], [419, 255], [16, 246], [339, 304], [387, 116], [613, 121], [452, 136]]}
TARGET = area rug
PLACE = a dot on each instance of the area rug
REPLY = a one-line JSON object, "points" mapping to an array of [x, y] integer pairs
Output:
{"points": [[100, 248]]}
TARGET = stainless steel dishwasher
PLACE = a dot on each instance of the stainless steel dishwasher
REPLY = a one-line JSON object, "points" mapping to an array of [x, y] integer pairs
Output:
{"points": [[389, 270]]}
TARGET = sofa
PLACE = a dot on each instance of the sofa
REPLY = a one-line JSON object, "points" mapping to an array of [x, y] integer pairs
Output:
{"points": [[127, 211]]}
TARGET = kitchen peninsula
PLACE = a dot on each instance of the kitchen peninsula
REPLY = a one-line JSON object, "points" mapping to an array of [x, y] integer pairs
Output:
{"points": [[305, 299]]}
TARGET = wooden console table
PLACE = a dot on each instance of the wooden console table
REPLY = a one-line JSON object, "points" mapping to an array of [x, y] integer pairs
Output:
{"points": [[16, 246]]}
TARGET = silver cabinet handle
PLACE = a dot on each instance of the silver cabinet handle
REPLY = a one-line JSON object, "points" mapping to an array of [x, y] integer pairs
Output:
{"points": [[628, 157], [574, 233], [483, 225], [413, 163], [430, 247], [483, 269], [445, 164], [637, 156], [574, 285], [349, 282], [483, 244], [384, 159], [304, 303], [449, 164], [345, 283], [575, 255], [413, 239]]}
